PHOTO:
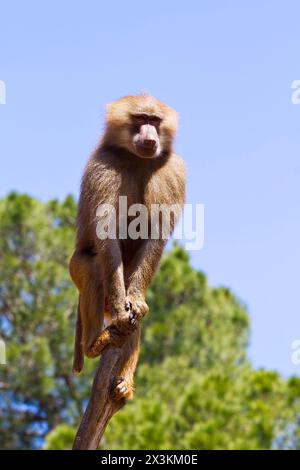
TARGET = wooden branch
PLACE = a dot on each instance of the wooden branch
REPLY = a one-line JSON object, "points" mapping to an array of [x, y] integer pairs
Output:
{"points": [[101, 406]]}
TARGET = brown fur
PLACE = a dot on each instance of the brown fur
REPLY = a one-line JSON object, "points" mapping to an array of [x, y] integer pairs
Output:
{"points": [[121, 270]]}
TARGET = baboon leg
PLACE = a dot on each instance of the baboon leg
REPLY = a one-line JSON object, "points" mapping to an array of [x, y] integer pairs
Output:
{"points": [[86, 275], [91, 309], [124, 383]]}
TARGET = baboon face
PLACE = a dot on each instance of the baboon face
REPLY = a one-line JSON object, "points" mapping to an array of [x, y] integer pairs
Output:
{"points": [[142, 125], [145, 135]]}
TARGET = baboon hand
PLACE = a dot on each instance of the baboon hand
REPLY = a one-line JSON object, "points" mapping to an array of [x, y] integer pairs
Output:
{"points": [[137, 309]]}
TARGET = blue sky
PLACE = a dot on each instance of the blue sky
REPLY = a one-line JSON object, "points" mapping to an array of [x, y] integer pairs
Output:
{"points": [[227, 67]]}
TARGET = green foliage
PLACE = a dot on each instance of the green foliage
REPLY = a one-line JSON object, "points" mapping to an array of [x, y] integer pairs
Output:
{"points": [[289, 437], [60, 438], [195, 388], [37, 304]]}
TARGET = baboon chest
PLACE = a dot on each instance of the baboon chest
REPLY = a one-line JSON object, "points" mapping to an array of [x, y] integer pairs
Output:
{"points": [[147, 189]]}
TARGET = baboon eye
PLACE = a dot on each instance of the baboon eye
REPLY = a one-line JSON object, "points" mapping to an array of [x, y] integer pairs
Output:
{"points": [[140, 119], [154, 121]]}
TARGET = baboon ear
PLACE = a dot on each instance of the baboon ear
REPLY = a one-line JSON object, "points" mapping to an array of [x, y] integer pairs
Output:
{"points": [[117, 112], [109, 113], [108, 107]]}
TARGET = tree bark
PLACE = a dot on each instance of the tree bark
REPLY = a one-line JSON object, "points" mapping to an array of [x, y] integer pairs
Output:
{"points": [[100, 407]]}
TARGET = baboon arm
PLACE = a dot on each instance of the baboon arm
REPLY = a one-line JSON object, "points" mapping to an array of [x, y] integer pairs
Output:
{"points": [[144, 266], [111, 258]]}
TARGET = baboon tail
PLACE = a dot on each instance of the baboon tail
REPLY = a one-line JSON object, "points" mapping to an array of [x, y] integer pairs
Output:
{"points": [[78, 358]]}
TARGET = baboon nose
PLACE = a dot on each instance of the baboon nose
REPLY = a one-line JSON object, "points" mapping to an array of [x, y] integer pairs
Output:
{"points": [[150, 143]]}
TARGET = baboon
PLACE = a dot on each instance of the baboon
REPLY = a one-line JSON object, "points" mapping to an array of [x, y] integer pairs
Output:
{"points": [[135, 158]]}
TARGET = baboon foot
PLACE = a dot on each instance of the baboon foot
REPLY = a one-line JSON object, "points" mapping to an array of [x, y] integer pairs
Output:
{"points": [[122, 389], [110, 336], [116, 333]]}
